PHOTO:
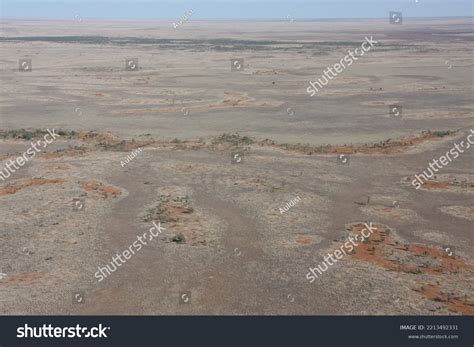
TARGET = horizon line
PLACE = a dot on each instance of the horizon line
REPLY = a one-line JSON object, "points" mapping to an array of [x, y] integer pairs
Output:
{"points": [[226, 19]]}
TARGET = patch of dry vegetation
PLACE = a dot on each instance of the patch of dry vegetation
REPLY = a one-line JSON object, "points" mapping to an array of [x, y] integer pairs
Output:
{"points": [[13, 188]]}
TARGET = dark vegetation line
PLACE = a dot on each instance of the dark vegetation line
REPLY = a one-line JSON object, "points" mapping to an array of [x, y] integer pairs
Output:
{"points": [[209, 44]]}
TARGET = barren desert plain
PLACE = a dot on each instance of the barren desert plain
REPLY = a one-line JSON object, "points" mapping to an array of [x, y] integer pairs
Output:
{"points": [[155, 125]]}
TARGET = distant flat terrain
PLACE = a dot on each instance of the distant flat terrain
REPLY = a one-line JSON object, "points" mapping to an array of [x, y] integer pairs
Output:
{"points": [[110, 88]]}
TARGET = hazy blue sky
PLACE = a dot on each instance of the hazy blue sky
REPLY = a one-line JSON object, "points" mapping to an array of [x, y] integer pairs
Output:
{"points": [[233, 9]]}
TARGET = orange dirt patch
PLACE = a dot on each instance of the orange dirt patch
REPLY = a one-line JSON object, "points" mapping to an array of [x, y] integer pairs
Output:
{"points": [[435, 185], [300, 240], [174, 210], [29, 278], [56, 167], [446, 182], [232, 102], [455, 303], [232, 99], [103, 190], [171, 208], [341, 150], [35, 182], [383, 250], [304, 240], [54, 155]]}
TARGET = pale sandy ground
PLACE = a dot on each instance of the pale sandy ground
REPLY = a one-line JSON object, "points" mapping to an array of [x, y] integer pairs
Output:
{"points": [[241, 255]]}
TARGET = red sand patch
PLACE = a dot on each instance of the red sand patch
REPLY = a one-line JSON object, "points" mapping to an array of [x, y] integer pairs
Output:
{"points": [[455, 303], [29, 278], [300, 241], [103, 190], [304, 240], [15, 187], [54, 155], [381, 249], [56, 167], [435, 185], [446, 182]]}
